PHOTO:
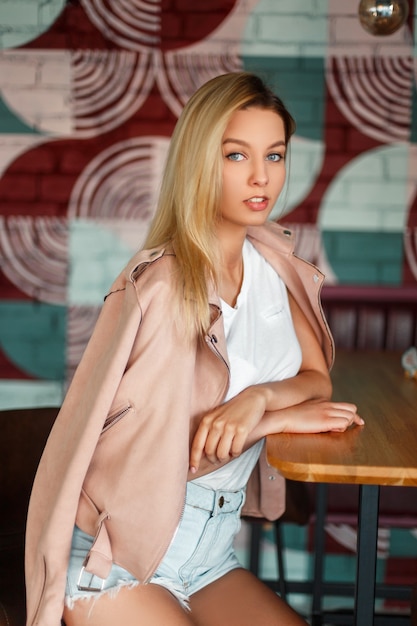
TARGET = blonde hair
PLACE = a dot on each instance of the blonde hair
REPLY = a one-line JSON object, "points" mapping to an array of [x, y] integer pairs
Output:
{"points": [[192, 185]]}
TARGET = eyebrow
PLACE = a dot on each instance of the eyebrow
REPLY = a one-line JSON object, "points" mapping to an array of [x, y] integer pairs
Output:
{"points": [[241, 142]]}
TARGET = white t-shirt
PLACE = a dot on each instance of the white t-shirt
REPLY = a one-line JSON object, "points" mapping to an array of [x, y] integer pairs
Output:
{"points": [[262, 347]]}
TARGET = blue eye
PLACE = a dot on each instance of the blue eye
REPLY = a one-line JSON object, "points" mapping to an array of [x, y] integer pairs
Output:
{"points": [[235, 156], [275, 157]]}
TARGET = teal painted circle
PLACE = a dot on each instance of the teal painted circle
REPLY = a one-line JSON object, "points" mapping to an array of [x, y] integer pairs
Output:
{"points": [[33, 336], [105, 258], [282, 28], [24, 20]]}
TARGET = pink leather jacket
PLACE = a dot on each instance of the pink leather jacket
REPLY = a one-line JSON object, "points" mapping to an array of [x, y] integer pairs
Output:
{"points": [[116, 461]]}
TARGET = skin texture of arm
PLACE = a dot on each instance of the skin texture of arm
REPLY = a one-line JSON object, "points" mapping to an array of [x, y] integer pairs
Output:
{"points": [[299, 404]]}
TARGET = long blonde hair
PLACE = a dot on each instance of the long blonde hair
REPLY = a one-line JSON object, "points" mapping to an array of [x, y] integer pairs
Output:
{"points": [[192, 185]]}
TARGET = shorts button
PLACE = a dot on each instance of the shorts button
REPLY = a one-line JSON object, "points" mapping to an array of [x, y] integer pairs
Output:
{"points": [[221, 501]]}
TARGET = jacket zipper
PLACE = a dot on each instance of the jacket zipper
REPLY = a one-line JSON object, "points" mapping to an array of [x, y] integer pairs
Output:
{"points": [[149, 578], [113, 419]]}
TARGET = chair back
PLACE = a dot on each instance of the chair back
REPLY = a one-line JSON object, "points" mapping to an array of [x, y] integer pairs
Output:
{"points": [[23, 436]]}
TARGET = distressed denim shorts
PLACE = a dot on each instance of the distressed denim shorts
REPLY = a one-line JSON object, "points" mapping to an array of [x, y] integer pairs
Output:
{"points": [[201, 551]]}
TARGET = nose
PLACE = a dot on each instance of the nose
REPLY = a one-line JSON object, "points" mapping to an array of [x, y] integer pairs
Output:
{"points": [[259, 174]]}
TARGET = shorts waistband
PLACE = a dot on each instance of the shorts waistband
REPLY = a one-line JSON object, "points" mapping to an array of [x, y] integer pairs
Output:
{"points": [[217, 502]]}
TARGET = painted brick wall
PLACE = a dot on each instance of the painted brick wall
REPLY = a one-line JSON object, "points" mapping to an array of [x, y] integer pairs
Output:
{"points": [[87, 106]]}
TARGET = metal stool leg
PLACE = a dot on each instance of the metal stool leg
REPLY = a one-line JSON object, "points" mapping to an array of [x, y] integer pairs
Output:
{"points": [[282, 586], [255, 536]]}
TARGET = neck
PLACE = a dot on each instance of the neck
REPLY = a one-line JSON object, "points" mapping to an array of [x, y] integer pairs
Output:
{"points": [[231, 244], [231, 267]]}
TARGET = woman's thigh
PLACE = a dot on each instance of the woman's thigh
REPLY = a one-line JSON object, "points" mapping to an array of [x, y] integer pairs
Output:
{"points": [[240, 599], [143, 605]]}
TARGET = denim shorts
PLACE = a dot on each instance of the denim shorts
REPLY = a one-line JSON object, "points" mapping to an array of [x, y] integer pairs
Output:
{"points": [[201, 551]]}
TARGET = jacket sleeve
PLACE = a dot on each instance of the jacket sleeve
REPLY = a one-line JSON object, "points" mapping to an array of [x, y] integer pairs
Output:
{"points": [[68, 452]]}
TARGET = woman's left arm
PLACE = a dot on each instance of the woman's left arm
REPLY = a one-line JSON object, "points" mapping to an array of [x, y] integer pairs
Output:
{"points": [[311, 381], [297, 404]]}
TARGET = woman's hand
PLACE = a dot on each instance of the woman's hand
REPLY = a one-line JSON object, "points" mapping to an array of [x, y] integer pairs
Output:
{"points": [[224, 431], [313, 416]]}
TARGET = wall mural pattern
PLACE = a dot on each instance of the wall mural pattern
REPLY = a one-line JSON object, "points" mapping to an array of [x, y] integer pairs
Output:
{"points": [[90, 92]]}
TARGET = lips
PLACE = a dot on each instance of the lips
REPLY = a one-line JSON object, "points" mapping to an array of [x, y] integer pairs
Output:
{"points": [[257, 203]]}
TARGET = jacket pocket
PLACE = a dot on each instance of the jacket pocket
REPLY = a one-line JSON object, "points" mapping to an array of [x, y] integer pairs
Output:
{"points": [[114, 418], [273, 311]]}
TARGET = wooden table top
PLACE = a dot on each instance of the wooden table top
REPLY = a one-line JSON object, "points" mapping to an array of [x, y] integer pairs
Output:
{"points": [[382, 452]]}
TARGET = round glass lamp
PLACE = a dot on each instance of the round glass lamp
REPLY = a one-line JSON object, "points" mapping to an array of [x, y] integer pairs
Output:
{"points": [[382, 17]]}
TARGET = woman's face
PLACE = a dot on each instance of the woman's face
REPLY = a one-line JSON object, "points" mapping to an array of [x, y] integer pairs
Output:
{"points": [[253, 167]]}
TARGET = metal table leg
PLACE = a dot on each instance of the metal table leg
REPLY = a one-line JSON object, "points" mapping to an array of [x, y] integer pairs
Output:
{"points": [[366, 555], [318, 551]]}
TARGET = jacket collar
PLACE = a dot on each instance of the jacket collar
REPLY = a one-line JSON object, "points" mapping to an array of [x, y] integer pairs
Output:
{"points": [[274, 236]]}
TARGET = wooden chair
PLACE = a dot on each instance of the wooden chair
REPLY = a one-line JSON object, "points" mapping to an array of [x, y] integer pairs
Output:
{"points": [[414, 606], [23, 436]]}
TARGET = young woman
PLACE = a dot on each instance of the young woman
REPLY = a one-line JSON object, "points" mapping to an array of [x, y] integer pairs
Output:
{"points": [[210, 339]]}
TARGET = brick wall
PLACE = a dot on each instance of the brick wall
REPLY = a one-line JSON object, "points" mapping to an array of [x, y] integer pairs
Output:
{"points": [[87, 106]]}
